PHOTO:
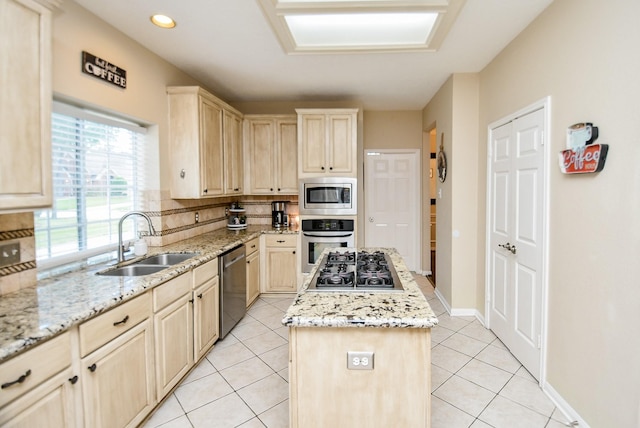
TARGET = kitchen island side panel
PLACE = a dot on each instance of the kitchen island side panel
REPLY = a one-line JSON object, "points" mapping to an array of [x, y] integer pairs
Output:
{"points": [[324, 393]]}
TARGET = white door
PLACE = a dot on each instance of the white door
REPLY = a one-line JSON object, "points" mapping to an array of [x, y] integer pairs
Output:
{"points": [[516, 248], [392, 202]]}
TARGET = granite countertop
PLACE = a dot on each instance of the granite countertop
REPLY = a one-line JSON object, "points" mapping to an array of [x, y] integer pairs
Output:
{"points": [[407, 309], [53, 305]]}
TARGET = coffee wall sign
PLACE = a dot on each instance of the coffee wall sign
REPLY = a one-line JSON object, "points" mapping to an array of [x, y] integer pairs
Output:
{"points": [[103, 70], [581, 155]]}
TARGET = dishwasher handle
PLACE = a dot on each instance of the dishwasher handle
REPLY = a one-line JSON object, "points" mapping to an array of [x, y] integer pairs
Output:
{"points": [[234, 260]]}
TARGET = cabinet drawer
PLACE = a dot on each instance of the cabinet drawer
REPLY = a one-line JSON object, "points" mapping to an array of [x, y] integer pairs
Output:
{"points": [[252, 246], [205, 272], [281, 240], [40, 363], [171, 291], [102, 329]]}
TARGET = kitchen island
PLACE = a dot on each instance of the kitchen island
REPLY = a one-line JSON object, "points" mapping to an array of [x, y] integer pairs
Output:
{"points": [[360, 358]]}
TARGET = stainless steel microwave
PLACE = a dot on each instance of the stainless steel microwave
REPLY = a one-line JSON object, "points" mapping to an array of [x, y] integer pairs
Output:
{"points": [[328, 196]]}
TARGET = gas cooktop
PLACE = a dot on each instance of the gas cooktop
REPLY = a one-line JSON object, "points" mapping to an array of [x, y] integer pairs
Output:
{"points": [[356, 271]]}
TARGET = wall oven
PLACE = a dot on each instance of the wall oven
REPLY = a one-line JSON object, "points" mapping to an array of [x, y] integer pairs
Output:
{"points": [[328, 196], [318, 234]]}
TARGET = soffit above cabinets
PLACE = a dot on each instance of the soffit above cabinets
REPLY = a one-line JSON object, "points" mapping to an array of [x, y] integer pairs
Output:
{"points": [[351, 26]]}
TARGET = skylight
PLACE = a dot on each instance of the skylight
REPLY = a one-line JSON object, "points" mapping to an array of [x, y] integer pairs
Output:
{"points": [[329, 26], [361, 29]]}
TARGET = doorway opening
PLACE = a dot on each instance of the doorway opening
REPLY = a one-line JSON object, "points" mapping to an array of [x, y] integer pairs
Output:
{"points": [[429, 153]]}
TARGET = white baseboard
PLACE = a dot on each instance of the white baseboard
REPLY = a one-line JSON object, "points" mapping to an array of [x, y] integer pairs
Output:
{"points": [[567, 411], [459, 312]]}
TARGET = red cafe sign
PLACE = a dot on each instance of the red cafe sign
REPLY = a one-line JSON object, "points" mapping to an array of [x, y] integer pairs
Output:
{"points": [[584, 159]]}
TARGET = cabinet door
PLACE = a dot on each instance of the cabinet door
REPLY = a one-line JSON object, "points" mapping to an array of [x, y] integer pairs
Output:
{"points": [[118, 380], [233, 153], [206, 316], [287, 169], [261, 151], [340, 144], [312, 131], [173, 327], [211, 165], [49, 405], [25, 79], [281, 273], [253, 277]]}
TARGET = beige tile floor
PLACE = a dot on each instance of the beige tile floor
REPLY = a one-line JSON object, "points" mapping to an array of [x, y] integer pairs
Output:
{"points": [[243, 381]]}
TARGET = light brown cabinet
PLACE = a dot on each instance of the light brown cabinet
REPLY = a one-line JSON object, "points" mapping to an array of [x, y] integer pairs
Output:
{"points": [[202, 128], [173, 331], [327, 142], [281, 263], [119, 382], [252, 251], [38, 387], [25, 79], [272, 149], [206, 311], [233, 153]]}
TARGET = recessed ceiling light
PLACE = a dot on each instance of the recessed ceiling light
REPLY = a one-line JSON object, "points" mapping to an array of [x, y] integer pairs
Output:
{"points": [[163, 21]]}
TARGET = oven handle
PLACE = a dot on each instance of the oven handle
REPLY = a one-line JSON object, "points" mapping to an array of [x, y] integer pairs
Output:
{"points": [[327, 235]]}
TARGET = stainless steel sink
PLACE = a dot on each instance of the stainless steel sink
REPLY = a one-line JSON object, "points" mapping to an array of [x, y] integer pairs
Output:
{"points": [[167, 259], [133, 270], [149, 265]]}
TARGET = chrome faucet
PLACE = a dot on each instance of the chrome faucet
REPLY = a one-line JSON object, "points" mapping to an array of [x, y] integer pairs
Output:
{"points": [[120, 245]]}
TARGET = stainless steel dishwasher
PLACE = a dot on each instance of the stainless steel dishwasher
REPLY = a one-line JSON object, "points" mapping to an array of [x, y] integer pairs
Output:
{"points": [[233, 288]]}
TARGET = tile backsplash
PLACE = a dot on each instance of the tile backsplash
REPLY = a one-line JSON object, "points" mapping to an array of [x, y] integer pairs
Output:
{"points": [[173, 221]]}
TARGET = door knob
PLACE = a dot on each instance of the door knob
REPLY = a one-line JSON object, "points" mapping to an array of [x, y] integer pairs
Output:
{"points": [[370, 219]]}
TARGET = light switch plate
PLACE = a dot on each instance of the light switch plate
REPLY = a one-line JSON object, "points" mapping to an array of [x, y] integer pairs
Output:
{"points": [[359, 360], [9, 254]]}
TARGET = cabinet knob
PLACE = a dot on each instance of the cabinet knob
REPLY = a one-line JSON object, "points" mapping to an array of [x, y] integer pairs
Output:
{"points": [[92, 368], [294, 251], [182, 173], [278, 189], [19, 380], [271, 189], [322, 168], [73, 380], [205, 190], [200, 296]]}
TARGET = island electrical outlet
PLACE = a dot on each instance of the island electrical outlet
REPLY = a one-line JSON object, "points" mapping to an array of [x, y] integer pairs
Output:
{"points": [[359, 360]]}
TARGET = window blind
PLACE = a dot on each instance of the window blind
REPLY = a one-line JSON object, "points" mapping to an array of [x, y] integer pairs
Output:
{"points": [[98, 172]]}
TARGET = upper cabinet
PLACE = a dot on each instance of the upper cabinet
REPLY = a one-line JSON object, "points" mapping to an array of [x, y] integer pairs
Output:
{"points": [[327, 142], [271, 146], [204, 139], [233, 159], [25, 103]]}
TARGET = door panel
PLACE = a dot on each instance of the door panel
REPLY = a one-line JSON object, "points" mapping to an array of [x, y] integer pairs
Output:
{"points": [[392, 212], [515, 238]]}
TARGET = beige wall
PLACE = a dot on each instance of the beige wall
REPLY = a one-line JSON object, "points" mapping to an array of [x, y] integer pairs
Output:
{"points": [[584, 55], [392, 129]]}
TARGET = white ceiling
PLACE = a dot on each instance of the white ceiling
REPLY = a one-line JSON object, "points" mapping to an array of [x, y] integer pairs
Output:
{"points": [[230, 47]]}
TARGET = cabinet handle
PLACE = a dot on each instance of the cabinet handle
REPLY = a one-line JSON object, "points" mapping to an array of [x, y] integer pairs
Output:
{"points": [[279, 241], [278, 189], [92, 368], [19, 380], [294, 251], [271, 189], [200, 296], [253, 246], [236, 190], [322, 168], [73, 380], [124, 321], [191, 301], [205, 190], [330, 168]]}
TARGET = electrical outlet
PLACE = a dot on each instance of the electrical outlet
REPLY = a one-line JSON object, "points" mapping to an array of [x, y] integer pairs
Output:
{"points": [[359, 360], [197, 217], [10, 254]]}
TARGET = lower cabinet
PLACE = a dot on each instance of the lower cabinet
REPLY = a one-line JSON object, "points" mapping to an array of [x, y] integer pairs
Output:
{"points": [[39, 387], [117, 363], [281, 263], [173, 331], [119, 382], [206, 308], [252, 250]]}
